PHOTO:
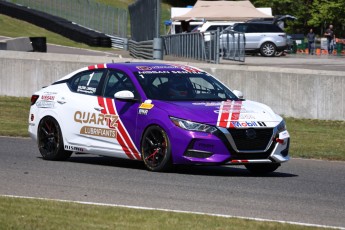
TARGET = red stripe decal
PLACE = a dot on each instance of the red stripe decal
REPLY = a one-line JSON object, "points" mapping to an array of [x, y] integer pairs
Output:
{"points": [[128, 140], [101, 104], [123, 145], [127, 143], [224, 113], [91, 67], [100, 66], [236, 115]]}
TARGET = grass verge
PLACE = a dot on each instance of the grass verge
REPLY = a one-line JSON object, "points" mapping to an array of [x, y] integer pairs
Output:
{"points": [[309, 138], [14, 115], [11, 27], [18, 213]]}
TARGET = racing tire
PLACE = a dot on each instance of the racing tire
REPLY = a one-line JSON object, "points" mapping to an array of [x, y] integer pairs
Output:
{"points": [[50, 141], [156, 149], [262, 168], [268, 49]]}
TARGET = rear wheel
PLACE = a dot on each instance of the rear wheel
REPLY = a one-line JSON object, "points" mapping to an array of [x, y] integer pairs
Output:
{"points": [[262, 168], [50, 142], [268, 49], [156, 149]]}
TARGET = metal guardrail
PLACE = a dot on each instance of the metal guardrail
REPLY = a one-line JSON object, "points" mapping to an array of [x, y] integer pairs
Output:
{"points": [[142, 49], [118, 42], [232, 45], [193, 45], [87, 13]]}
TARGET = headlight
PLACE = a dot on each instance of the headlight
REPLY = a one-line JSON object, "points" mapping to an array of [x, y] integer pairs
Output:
{"points": [[281, 127], [193, 126]]}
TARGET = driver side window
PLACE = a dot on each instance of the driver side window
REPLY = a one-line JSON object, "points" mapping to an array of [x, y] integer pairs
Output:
{"points": [[118, 81]]}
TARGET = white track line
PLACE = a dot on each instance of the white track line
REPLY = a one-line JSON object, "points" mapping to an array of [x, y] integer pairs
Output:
{"points": [[178, 211]]}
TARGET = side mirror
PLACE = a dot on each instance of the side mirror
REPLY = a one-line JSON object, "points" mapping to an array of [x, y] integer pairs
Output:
{"points": [[238, 93], [124, 95]]}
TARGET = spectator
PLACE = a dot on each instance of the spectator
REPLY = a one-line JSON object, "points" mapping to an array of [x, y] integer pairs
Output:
{"points": [[330, 39], [311, 41]]}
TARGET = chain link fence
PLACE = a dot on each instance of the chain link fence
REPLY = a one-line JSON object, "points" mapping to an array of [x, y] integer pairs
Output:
{"points": [[87, 13], [144, 18]]}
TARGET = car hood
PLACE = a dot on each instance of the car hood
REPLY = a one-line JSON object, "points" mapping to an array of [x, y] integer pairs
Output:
{"points": [[224, 114]]}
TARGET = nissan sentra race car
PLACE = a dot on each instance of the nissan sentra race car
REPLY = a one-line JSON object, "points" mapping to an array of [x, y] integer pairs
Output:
{"points": [[161, 114]]}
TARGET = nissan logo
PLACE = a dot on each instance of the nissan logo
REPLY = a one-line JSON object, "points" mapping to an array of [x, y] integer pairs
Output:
{"points": [[250, 133]]}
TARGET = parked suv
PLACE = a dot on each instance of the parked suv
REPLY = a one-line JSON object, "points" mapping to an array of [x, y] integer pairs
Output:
{"points": [[267, 39]]}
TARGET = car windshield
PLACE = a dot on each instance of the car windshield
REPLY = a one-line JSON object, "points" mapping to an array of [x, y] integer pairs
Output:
{"points": [[183, 86]]}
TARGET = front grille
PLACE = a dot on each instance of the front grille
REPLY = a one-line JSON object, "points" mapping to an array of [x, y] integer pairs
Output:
{"points": [[247, 141]]}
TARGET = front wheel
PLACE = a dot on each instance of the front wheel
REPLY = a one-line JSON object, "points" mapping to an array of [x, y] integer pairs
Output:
{"points": [[156, 149], [50, 142], [268, 49], [262, 168]]}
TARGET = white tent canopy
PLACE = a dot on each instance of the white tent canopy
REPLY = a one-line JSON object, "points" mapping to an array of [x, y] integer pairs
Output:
{"points": [[222, 11]]}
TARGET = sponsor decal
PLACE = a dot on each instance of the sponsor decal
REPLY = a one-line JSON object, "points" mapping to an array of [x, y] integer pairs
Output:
{"points": [[50, 93], [45, 104], [96, 119], [242, 110], [86, 89], [73, 148], [188, 69], [48, 97], [146, 68], [208, 103], [143, 112], [262, 123], [146, 106], [237, 124], [93, 131], [153, 72], [247, 116]]}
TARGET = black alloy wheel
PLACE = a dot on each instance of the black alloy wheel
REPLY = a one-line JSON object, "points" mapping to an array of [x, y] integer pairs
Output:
{"points": [[50, 142], [156, 149]]}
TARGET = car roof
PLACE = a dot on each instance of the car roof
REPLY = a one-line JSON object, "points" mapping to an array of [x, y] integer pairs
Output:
{"points": [[149, 66], [136, 66]]}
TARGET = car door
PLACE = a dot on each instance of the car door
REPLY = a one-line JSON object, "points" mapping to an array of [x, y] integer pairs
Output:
{"points": [[253, 36], [84, 126], [124, 111]]}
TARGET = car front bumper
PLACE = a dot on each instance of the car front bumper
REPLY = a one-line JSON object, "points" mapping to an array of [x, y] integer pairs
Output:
{"points": [[221, 149]]}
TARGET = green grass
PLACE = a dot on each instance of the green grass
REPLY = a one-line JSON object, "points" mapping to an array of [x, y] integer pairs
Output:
{"points": [[309, 138], [317, 139], [11, 27], [14, 115], [17, 213]]}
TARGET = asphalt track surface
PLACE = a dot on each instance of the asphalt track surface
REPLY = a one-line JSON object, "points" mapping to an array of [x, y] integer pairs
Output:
{"points": [[307, 191]]}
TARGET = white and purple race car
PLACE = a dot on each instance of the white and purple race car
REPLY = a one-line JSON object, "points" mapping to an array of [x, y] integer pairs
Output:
{"points": [[161, 114]]}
